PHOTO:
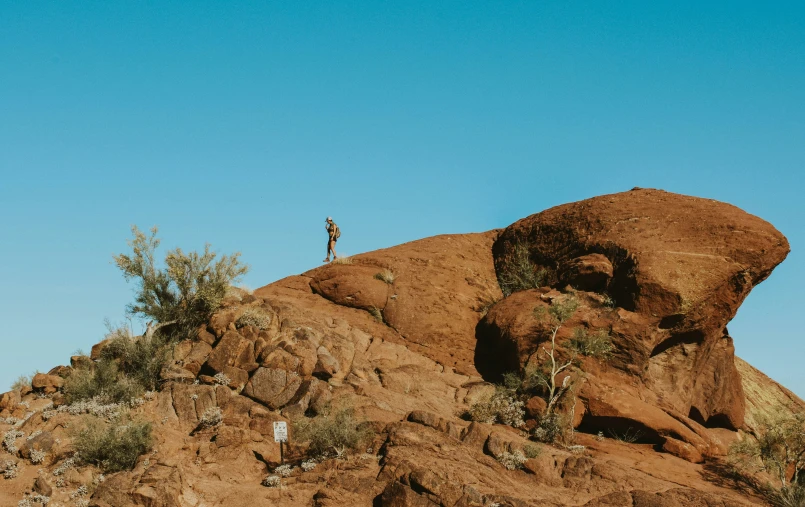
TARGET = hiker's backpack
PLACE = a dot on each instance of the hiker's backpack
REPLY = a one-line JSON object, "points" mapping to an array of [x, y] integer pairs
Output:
{"points": [[336, 232]]}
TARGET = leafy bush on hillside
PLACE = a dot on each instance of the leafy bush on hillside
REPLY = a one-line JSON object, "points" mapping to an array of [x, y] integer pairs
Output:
{"points": [[140, 359], [112, 446], [597, 344], [103, 382], [185, 293], [779, 450], [332, 432]]}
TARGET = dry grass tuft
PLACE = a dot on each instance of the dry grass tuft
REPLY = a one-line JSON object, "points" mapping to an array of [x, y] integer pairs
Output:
{"points": [[386, 276]]}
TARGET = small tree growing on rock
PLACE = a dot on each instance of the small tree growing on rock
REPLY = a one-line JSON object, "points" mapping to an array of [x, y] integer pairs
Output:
{"points": [[557, 314], [186, 292]]}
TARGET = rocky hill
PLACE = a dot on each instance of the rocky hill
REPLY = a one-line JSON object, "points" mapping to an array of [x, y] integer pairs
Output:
{"points": [[411, 338]]}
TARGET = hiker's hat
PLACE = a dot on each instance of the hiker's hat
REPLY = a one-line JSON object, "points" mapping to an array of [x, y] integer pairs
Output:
{"points": [[329, 219]]}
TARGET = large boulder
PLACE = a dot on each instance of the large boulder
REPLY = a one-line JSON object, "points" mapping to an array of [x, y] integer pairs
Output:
{"points": [[675, 267], [440, 288]]}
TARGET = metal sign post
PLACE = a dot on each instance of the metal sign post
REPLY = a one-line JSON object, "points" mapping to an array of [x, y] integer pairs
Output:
{"points": [[281, 435]]}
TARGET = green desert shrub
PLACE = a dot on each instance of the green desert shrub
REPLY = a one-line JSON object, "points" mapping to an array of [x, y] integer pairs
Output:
{"points": [[332, 432], [597, 344], [186, 292], [779, 449], [532, 451], [112, 447], [103, 382], [519, 273], [139, 359]]}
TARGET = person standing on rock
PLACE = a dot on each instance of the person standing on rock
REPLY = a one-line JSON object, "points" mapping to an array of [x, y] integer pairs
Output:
{"points": [[333, 233]]}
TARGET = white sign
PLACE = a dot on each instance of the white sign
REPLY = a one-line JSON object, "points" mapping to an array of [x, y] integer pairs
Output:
{"points": [[280, 431]]}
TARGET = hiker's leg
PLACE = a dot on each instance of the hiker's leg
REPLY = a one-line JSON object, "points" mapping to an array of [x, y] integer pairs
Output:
{"points": [[327, 259], [333, 249]]}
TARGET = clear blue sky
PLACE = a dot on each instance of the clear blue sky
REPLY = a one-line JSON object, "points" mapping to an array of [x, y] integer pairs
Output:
{"points": [[244, 124]]}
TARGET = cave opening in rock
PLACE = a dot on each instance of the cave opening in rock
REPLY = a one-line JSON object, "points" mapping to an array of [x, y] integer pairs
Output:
{"points": [[714, 421], [620, 428]]}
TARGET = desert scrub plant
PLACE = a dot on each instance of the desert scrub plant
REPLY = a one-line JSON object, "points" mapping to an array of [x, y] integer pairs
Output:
{"points": [[532, 451], [221, 379], [502, 407], [140, 359], [346, 259], [272, 481], [112, 446], [10, 469], [211, 417], [597, 344], [254, 316], [519, 273], [629, 435], [104, 383], [512, 460], [332, 432], [779, 449], [185, 293], [552, 428], [22, 382], [283, 471], [485, 302], [386, 276]]}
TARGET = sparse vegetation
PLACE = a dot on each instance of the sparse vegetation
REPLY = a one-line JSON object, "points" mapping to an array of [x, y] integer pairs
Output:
{"points": [[376, 314], [104, 383], [211, 417], [779, 450], [502, 407], [10, 469], [283, 470], [629, 436], [551, 428], [485, 302], [221, 379], [112, 446], [254, 316], [342, 260], [186, 292], [22, 382], [139, 359], [512, 460], [597, 344], [272, 481], [532, 451], [386, 276], [519, 273], [332, 432]]}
